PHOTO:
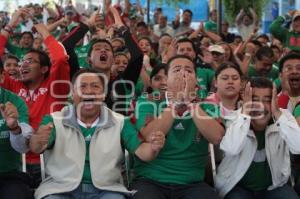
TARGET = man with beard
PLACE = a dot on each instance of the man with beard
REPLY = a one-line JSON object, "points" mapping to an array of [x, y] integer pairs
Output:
{"points": [[84, 145], [263, 64], [43, 85], [100, 56], [257, 145]]}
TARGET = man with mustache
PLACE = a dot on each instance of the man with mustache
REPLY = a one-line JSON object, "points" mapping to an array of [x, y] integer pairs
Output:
{"points": [[263, 64], [257, 146], [84, 145]]}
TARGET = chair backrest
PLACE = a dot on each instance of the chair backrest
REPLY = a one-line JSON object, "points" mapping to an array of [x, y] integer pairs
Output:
{"points": [[213, 160]]}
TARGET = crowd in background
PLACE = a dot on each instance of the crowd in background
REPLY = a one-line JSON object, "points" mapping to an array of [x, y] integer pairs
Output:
{"points": [[81, 88]]}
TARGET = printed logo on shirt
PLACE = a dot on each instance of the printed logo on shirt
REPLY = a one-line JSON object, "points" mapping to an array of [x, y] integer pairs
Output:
{"points": [[2, 121], [88, 138], [179, 126], [260, 156], [197, 138], [25, 94], [4, 134]]}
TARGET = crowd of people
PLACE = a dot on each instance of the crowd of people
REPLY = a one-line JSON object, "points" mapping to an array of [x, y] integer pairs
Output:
{"points": [[123, 109]]}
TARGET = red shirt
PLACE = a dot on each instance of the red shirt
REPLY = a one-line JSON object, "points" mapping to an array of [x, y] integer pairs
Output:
{"points": [[49, 96]]}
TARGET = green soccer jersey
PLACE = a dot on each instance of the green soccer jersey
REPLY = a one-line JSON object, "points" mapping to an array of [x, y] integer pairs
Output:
{"points": [[183, 157], [272, 75], [258, 176], [82, 54], [10, 160], [210, 26], [204, 79], [16, 50], [296, 111], [129, 138]]}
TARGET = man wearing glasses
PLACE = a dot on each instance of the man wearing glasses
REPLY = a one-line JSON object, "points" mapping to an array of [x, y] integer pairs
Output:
{"points": [[43, 85]]}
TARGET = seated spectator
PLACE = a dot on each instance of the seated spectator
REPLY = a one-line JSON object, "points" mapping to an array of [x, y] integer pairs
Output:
{"points": [[289, 38], [218, 55], [14, 136], [183, 27], [257, 145], [263, 64], [88, 124], [246, 23], [11, 66], [179, 168], [38, 88], [227, 36], [100, 56], [228, 87], [162, 27], [211, 25]]}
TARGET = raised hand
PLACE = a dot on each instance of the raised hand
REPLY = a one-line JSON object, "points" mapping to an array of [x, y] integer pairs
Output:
{"points": [[42, 29], [274, 105], [10, 115], [118, 21], [39, 140], [247, 100]]}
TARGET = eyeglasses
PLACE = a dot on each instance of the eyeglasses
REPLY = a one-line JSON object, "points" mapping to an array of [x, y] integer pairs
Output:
{"points": [[27, 61]]}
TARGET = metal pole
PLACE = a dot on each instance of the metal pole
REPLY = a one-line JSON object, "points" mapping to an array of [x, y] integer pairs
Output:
{"points": [[219, 17], [148, 11]]}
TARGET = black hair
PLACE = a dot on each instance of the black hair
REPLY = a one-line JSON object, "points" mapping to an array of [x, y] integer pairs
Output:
{"points": [[226, 65], [145, 38], [43, 58], [291, 55], [95, 41], [89, 70], [275, 46], [264, 36], [11, 56], [179, 57], [156, 70], [27, 33], [183, 40], [256, 43], [188, 11], [261, 82], [264, 51], [141, 24]]}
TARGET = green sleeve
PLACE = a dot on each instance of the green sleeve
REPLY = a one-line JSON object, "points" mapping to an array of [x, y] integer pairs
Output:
{"points": [[211, 109], [129, 137], [277, 82], [11, 48], [210, 77], [144, 112], [22, 110], [296, 112], [277, 30], [47, 119]]}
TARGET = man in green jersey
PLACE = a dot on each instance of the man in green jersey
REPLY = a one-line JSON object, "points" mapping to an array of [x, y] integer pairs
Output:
{"points": [[179, 169], [14, 137]]}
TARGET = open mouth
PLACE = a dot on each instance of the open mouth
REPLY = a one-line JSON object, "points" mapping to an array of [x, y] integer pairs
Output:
{"points": [[24, 71], [294, 80], [103, 58]]}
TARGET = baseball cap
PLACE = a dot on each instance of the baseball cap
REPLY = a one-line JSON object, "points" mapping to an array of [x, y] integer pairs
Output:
{"points": [[216, 48]]}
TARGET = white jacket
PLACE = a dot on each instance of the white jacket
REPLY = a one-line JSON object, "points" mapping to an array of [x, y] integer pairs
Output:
{"points": [[240, 144]]}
